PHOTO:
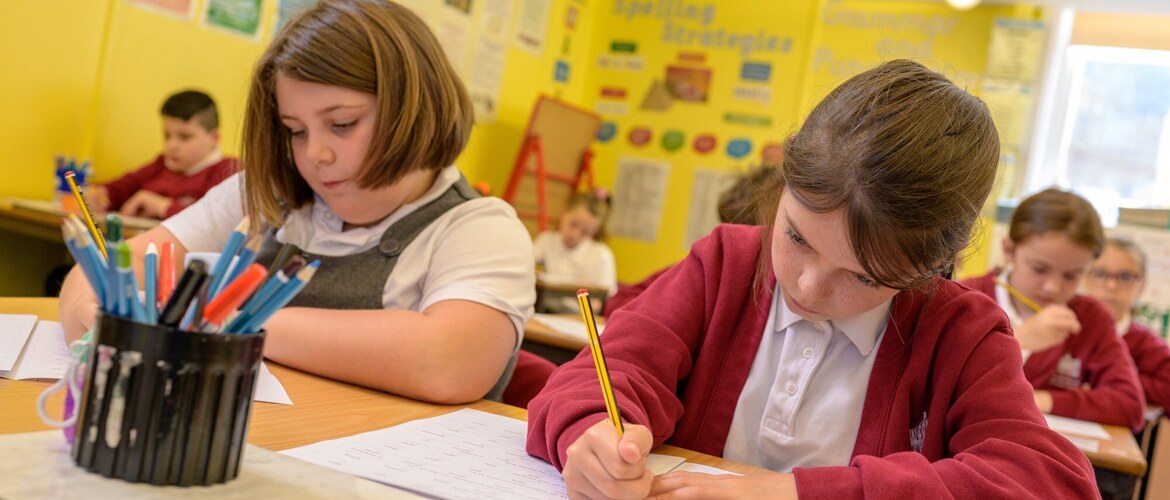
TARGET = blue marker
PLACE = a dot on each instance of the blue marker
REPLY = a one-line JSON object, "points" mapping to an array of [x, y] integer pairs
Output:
{"points": [[129, 306]]}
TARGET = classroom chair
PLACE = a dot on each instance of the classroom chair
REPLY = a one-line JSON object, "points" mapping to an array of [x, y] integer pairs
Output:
{"points": [[531, 373]]}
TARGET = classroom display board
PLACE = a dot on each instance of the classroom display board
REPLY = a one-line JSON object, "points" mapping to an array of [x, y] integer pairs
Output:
{"points": [[558, 134]]}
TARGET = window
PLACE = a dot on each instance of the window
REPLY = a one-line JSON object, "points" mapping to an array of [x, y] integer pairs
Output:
{"points": [[1116, 140]]}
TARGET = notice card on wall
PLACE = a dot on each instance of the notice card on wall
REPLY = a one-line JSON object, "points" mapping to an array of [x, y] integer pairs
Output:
{"points": [[639, 194], [703, 214]]}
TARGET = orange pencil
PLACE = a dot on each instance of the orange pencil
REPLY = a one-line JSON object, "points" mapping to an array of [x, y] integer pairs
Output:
{"points": [[166, 272], [232, 296], [1019, 296]]}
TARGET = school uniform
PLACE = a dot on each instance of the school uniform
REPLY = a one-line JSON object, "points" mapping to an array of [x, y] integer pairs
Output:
{"points": [[591, 261], [1151, 355], [182, 187], [944, 410], [475, 250], [1094, 356]]}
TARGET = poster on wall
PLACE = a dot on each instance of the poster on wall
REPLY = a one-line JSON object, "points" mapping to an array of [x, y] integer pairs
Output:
{"points": [[486, 75], [1016, 50], [452, 26], [703, 214], [182, 9], [688, 84], [1010, 103], [286, 9], [241, 17], [639, 195], [532, 25]]}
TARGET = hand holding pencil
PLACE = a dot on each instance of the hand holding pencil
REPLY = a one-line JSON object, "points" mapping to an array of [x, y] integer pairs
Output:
{"points": [[610, 456], [1046, 326]]}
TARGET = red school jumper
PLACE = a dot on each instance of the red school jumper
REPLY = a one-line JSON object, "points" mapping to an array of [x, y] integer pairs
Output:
{"points": [[157, 178], [1151, 355], [680, 353], [1093, 356]]}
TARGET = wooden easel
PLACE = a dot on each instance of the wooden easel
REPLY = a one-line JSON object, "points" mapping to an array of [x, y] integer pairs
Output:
{"points": [[553, 162]]}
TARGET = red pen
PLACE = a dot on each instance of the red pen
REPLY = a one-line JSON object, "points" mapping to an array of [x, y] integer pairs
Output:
{"points": [[232, 296]]}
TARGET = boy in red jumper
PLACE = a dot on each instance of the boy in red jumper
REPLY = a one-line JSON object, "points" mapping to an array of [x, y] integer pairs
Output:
{"points": [[190, 164], [1117, 278], [1075, 361], [824, 345]]}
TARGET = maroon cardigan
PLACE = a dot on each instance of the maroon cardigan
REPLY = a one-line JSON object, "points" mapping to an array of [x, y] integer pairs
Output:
{"points": [[1113, 395], [157, 178], [1152, 357], [680, 353]]}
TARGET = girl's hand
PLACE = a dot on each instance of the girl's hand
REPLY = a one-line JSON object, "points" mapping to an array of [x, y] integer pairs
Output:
{"points": [[682, 485], [600, 464], [78, 316], [98, 198], [1048, 327]]}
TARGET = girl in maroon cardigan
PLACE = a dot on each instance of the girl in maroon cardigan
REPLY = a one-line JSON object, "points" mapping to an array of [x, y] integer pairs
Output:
{"points": [[1117, 278], [1072, 355], [824, 345]]}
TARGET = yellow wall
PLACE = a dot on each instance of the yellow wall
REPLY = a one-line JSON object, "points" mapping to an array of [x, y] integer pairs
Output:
{"points": [[48, 82], [832, 40]]}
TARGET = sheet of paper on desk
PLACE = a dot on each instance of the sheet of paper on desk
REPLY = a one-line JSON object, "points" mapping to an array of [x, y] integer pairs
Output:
{"points": [[567, 326], [465, 454], [14, 332], [44, 355], [1085, 444], [1065, 425], [269, 389]]}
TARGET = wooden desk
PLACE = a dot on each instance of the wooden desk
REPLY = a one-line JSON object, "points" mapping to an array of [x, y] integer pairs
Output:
{"points": [[552, 344], [1118, 453], [36, 219], [546, 288], [323, 409]]}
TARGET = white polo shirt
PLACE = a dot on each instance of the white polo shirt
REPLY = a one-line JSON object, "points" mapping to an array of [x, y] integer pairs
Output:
{"points": [[590, 262], [801, 405], [478, 251]]}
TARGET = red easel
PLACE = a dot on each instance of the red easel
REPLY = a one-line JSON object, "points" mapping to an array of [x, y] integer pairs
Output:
{"points": [[560, 122]]}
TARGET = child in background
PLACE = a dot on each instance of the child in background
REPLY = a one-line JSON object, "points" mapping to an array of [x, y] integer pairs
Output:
{"points": [[424, 287], [843, 362], [575, 252], [1117, 278], [190, 164], [1074, 360]]}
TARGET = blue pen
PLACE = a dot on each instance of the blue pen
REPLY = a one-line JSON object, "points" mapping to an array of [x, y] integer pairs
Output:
{"points": [[282, 298], [151, 269], [225, 258], [130, 305]]}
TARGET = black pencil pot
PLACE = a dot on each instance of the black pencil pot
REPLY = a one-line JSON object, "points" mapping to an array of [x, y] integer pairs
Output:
{"points": [[165, 406]]}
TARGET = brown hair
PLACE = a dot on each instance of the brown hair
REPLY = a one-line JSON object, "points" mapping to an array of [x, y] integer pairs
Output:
{"points": [[908, 156], [1056, 211], [424, 115], [1128, 246], [597, 203], [738, 204], [190, 104]]}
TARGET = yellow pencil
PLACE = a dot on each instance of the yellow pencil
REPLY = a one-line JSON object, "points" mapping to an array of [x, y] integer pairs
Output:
{"points": [[599, 360], [1019, 296], [87, 213]]}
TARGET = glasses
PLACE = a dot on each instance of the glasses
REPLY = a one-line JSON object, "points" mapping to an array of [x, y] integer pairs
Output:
{"points": [[1124, 278]]}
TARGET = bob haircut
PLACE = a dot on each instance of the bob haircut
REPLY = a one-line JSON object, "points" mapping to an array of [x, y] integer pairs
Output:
{"points": [[424, 114]]}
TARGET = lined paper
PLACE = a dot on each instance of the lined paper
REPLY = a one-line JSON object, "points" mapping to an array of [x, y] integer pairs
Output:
{"points": [[464, 454], [14, 332]]}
